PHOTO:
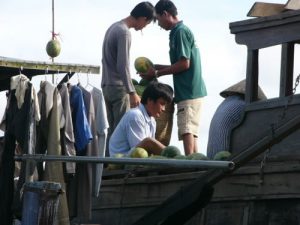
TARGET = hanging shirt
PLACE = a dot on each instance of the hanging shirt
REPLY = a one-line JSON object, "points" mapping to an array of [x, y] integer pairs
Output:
{"points": [[100, 111], [68, 138], [101, 126], [82, 130]]}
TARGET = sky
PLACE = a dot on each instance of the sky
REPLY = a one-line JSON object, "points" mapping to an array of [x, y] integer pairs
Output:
{"points": [[26, 28]]}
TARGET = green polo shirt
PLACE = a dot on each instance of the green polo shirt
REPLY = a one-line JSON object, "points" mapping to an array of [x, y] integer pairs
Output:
{"points": [[188, 84]]}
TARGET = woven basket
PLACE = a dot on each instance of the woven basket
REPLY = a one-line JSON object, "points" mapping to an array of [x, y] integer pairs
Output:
{"points": [[164, 125]]}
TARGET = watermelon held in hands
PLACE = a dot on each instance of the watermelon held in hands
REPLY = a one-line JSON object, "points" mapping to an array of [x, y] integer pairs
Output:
{"points": [[142, 64], [53, 48]]}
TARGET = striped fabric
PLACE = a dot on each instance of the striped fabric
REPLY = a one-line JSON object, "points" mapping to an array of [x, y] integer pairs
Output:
{"points": [[224, 120]]}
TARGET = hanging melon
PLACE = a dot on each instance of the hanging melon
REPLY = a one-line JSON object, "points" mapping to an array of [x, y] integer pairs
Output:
{"points": [[53, 48]]}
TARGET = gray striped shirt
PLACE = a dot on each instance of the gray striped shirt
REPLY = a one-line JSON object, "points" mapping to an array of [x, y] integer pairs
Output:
{"points": [[226, 117]]}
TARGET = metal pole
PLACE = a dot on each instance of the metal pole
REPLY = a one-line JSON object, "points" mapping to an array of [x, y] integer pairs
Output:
{"points": [[133, 161]]}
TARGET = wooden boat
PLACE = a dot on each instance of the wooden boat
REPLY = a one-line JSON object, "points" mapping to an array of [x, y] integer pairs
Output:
{"points": [[262, 189]]}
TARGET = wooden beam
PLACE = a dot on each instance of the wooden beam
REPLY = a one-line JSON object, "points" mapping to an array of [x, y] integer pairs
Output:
{"points": [[293, 4], [267, 31], [261, 9], [252, 76], [287, 70], [48, 66]]}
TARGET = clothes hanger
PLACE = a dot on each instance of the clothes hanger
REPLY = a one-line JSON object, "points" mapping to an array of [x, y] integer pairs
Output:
{"points": [[46, 73], [56, 80], [68, 79], [88, 84], [20, 70], [78, 79]]}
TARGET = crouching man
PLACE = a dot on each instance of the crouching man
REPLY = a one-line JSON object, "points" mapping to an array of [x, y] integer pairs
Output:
{"points": [[137, 127]]}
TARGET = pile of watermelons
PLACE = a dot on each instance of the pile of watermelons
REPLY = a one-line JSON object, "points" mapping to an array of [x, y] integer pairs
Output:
{"points": [[169, 152]]}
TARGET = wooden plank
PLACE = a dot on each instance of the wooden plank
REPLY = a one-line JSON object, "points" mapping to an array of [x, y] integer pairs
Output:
{"points": [[11, 67], [48, 66], [293, 5], [267, 31], [252, 76], [262, 120], [287, 70], [150, 191], [185, 203], [261, 9]]}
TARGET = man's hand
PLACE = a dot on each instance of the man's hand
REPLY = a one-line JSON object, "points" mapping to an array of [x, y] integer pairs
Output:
{"points": [[149, 75], [134, 100]]}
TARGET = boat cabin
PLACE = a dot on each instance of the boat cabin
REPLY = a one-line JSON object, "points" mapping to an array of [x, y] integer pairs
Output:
{"points": [[263, 188]]}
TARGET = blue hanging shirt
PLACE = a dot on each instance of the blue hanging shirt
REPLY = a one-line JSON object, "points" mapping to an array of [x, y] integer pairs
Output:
{"points": [[82, 129]]}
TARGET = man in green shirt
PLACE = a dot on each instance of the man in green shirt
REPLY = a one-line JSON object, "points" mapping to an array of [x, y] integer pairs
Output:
{"points": [[189, 87]]}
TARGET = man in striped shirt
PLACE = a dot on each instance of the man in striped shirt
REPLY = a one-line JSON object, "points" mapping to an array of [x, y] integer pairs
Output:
{"points": [[228, 115]]}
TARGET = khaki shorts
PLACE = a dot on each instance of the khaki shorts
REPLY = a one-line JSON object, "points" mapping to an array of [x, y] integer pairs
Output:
{"points": [[188, 117]]}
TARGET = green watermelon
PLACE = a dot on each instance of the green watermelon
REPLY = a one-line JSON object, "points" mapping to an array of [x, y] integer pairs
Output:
{"points": [[157, 157], [170, 151], [113, 166], [142, 64], [134, 81], [144, 82], [180, 157], [197, 156], [53, 48], [222, 155], [139, 89]]}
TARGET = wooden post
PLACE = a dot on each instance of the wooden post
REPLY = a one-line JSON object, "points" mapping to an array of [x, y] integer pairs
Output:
{"points": [[252, 76], [287, 70]]}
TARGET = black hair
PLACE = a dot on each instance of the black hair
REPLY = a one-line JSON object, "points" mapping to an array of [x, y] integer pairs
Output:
{"points": [[156, 90], [165, 5], [144, 9]]}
